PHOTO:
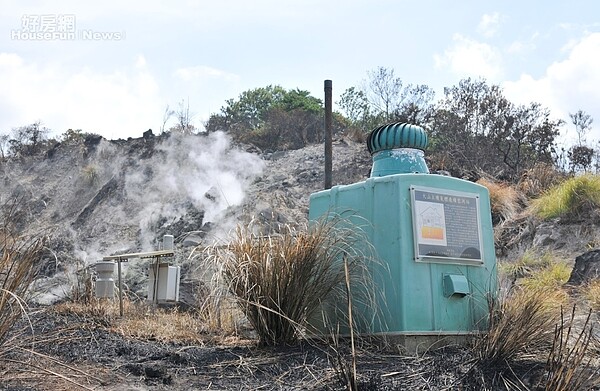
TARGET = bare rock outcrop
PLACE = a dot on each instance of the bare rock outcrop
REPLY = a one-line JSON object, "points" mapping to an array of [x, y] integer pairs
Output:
{"points": [[586, 269]]}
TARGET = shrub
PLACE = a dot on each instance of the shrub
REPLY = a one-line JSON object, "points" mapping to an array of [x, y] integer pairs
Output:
{"points": [[539, 179], [281, 280], [90, 174], [356, 134], [72, 137], [572, 199]]}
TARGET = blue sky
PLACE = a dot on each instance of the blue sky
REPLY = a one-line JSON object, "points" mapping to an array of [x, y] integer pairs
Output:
{"points": [[152, 53]]}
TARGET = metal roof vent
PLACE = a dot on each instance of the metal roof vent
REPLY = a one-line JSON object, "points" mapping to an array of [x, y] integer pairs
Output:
{"points": [[397, 148]]}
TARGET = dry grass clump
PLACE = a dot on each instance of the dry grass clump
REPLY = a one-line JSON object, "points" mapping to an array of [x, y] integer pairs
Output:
{"points": [[539, 179], [279, 281], [505, 200], [140, 320], [574, 198], [82, 286], [529, 323], [221, 314], [569, 365], [535, 272], [19, 265], [522, 323], [96, 312], [356, 134], [90, 174], [591, 293], [164, 325]]}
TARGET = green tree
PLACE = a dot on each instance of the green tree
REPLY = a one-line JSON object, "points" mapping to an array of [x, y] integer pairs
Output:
{"points": [[248, 112], [271, 117], [459, 132], [355, 106], [581, 155], [300, 100], [28, 140]]}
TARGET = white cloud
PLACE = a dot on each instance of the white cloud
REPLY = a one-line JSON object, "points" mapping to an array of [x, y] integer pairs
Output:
{"points": [[567, 85], [468, 57], [523, 46], [488, 26], [140, 63], [203, 72], [118, 104]]}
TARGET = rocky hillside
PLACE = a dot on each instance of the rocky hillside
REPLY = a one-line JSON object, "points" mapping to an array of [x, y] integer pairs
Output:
{"points": [[96, 197]]}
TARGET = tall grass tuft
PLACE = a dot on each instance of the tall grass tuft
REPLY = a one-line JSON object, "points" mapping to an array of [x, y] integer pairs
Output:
{"points": [[19, 265], [90, 174], [520, 323], [505, 200], [280, 281], [574, 198], [552, 276]]}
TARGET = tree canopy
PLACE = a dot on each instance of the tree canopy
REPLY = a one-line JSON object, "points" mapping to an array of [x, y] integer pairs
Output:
{"points": [[271, 117], [472, 127]]}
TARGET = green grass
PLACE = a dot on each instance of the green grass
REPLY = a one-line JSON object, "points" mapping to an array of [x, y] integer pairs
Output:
{"points": [[552, 276], [573, 198], [527, 264]]}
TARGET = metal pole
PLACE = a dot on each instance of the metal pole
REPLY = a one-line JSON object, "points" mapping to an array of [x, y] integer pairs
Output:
{"points": [[328, 131], [120, 288], [155, 288]]}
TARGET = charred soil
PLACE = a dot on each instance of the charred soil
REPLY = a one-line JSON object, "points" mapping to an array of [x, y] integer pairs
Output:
{"points": [[63, 351]]}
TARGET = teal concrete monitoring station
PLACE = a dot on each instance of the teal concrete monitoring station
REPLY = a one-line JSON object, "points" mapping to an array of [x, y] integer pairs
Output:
{"points": [[431, 234]]}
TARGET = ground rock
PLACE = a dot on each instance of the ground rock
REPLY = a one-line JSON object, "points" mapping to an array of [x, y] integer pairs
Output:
{"points": [[586, 269], [547, 234]]}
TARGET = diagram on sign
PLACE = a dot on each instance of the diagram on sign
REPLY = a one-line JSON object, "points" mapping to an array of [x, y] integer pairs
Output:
{"points": [[431, 223]]}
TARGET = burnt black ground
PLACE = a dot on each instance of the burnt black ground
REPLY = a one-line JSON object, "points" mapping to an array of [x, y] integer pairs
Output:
{"points": [[108, 361]]}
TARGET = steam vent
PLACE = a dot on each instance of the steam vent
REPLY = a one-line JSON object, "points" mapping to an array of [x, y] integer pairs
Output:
{"points": [[434, 265]]}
